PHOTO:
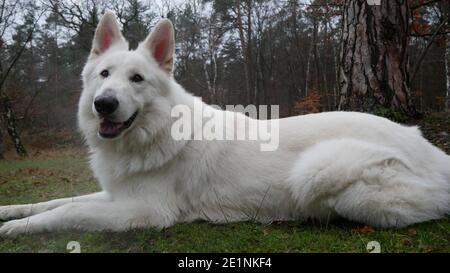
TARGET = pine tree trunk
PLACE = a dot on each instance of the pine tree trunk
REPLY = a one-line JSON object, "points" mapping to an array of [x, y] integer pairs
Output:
{"points": [[374, 69]]}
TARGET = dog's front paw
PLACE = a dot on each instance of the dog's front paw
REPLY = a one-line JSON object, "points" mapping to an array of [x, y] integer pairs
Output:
{"points": [[14, 212], [14, 228]]}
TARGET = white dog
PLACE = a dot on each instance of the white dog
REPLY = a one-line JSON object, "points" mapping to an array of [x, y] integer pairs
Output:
{"points": [[351, 165]]}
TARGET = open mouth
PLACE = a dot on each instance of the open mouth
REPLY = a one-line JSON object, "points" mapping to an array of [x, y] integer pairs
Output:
{"points": [[111, 129]]}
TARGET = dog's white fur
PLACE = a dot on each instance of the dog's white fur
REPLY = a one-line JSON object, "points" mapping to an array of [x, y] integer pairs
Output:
{"points": [[352, 165]]}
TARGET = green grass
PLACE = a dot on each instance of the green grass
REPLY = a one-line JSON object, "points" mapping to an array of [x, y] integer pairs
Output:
{"points": [[27, 181]]}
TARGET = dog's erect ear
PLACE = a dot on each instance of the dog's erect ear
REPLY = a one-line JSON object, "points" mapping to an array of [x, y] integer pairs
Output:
{"points": [[161, 43], [107, 35]]}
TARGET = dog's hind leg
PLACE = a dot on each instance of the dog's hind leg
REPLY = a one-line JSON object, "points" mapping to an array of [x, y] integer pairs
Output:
{"points": [[21, 211], [367, 183]]}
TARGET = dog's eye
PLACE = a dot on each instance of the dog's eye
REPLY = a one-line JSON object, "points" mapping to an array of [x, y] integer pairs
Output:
{"points": [[137, 78], [104, 73]]}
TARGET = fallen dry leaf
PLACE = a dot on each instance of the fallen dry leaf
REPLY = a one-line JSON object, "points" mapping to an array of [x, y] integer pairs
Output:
{"points": [[412, 232], [363, 230]]}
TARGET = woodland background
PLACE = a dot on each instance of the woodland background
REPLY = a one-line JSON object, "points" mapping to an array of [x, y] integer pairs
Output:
{"points": [[306, 56]]}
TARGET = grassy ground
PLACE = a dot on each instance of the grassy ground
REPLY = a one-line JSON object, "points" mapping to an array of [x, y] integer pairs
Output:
{"points": [[47, 176]]}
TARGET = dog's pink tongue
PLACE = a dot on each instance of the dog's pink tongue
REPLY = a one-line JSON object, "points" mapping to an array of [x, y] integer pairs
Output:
{"points": [[108, 127]]}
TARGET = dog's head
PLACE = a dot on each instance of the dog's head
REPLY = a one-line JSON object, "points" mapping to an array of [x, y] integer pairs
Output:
{"points": [[126, 93]]}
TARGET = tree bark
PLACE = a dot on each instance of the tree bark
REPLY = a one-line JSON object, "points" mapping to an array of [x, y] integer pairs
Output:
{"points": [[8, 117], [445, 9], [447, 73], [374, 69]]}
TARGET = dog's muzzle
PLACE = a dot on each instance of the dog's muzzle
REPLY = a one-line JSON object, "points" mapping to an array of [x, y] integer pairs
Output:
{"points": [[112, 129]]}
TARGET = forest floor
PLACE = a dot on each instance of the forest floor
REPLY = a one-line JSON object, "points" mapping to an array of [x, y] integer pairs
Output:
{"points": [[64, 172]]}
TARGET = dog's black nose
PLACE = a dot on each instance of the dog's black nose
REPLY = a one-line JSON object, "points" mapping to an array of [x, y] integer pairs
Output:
{"points": [[106, 105]]}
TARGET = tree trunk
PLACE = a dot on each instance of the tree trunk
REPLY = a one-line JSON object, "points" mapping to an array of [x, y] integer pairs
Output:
{"points": [[446, 12], [8, 117], [325, 66], [318, 81], [2, 147], [308, 67], [244, 48], [250, 65], [374, 69], [336, 72], [447, 72], [2, 144]]}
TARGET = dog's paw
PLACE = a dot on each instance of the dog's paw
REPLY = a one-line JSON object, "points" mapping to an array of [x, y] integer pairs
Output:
{"points": [[14, 212], [14, 228]]}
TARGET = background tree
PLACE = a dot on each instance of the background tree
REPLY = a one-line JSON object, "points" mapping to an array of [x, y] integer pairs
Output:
{"points": [[375, 57], [234, 52], [23, 35]]}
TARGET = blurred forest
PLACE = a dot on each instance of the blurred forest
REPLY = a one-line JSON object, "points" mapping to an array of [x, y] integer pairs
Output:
{"points": [[294, 53]]}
